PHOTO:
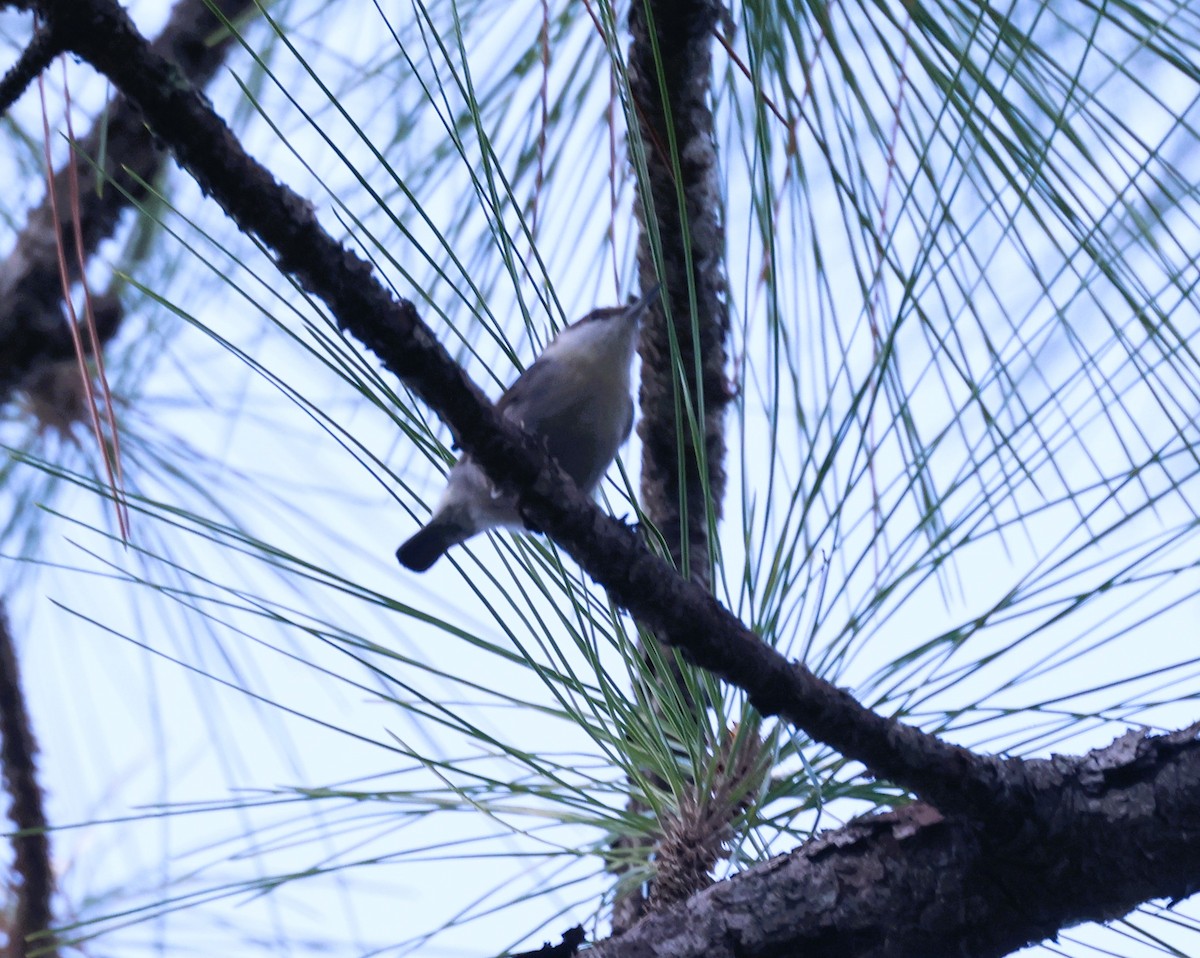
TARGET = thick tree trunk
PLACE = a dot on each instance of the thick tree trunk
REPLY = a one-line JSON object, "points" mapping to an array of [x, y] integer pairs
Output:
{"points": [[1107, 831], [684, 389]]}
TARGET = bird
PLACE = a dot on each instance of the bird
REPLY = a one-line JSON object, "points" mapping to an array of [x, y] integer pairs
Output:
{"points": [[576, 397]]}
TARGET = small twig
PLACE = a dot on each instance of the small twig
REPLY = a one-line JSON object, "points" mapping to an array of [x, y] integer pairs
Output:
{"points": [[571, 940], [110, 451], [73, 325], [42, 49]]}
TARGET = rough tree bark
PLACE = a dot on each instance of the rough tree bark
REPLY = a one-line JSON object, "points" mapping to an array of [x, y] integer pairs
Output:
{"points": [[916, 884], [28, 930], [684, 390]]}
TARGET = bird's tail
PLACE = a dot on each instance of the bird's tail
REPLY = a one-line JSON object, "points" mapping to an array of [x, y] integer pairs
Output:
{"points": [[431, 543]]}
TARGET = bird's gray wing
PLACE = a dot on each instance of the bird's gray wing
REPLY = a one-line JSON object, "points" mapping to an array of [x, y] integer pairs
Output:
{"points": [[536, 389], [584, 421]]}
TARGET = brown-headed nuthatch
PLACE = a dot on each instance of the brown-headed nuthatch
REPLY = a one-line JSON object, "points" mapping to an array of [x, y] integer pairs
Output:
{"points": [[576, 397]]}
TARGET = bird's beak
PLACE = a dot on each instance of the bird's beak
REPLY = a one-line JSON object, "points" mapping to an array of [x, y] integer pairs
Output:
{"points": [[638, 310]]}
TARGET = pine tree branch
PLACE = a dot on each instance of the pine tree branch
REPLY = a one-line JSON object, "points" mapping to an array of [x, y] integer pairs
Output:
{"points": [[1107, 831], [682, 613], [29, 932], [42, 49]]}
